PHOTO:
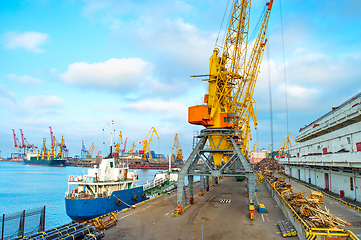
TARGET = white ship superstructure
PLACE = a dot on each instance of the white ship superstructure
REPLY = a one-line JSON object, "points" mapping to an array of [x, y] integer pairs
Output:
{"points": [[328, 153]]}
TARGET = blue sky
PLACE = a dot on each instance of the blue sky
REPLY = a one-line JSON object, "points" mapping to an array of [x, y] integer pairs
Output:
{"points": [[77, 65]]}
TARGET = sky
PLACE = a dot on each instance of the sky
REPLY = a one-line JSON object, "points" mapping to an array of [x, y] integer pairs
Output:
{"points": [[77, 65]]}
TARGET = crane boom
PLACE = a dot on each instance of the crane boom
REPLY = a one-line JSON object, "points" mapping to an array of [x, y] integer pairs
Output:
{"points": [[15, 142], [131, 150], [117, 146], [22, 139], [244, 94], [125, 144], [60, 154]]}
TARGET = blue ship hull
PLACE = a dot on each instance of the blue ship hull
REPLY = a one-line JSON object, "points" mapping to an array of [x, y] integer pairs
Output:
{"points": [[86, 209]]}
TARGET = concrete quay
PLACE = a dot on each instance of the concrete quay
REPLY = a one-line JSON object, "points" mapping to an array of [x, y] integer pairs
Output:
{"points": [[207, 218]]}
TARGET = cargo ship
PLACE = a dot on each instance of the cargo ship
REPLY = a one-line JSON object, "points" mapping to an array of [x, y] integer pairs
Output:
{"points": [[35, 159], [163, 182], [102, 190]]}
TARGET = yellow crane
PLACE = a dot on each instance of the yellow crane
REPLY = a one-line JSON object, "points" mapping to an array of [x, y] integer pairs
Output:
{"points": [[285, 144], [255, 147], [117, 145], [178, 148], [43, 155], [92, 149], [288, 139], [61, 146], [146, 142], [231, 82], [269, 151], [229, 106], [131, 150]]}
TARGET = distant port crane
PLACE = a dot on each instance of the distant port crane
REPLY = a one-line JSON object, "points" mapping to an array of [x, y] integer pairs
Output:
{"points": [[178, 149], [92, 149], [146, 143], [23, 147], [117, 145], [84, 151]]}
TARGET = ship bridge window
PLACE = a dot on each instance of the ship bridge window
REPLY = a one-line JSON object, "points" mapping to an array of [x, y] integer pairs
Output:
{"points": [[111, 164]]}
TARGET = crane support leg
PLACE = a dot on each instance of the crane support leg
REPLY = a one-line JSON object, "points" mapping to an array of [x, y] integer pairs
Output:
{"points": [[237, 164], [191, 185], [184, 171], [202, 183], [191, 188], [207, 183]]}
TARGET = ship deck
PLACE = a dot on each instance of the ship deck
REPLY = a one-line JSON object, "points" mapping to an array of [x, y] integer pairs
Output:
{"points": [[207, 218]]}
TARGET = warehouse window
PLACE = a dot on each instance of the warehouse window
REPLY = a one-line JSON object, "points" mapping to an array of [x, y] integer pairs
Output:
{"points": [[351, 183]]}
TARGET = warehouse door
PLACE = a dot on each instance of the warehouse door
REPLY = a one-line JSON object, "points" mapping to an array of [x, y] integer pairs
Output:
{"points": [[327, 186], [299, 173]]}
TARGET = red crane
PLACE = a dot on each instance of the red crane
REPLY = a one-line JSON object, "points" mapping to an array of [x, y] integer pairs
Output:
{"points": [[22, 139], [125, 144], [51, 136], [15, 143]]}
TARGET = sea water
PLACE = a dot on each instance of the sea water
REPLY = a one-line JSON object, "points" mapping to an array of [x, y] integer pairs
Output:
{"points": [[25, 187]]}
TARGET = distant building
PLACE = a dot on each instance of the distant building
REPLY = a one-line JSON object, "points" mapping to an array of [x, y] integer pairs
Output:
{"points": [[328, 153], [257, 156]]}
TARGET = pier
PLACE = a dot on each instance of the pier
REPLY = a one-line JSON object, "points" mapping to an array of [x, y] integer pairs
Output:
{"points": [[207, 218]]}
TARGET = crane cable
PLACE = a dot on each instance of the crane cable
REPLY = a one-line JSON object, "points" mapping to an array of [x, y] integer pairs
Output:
{"points": [[284, 75], [270, 94], [220, 28]]}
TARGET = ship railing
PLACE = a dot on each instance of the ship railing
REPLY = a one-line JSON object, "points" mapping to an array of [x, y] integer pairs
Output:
{"points": [[81, 195], [153, 183]]}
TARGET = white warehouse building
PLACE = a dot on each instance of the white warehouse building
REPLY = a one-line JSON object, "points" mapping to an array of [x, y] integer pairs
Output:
{"points": [[328, 153]]}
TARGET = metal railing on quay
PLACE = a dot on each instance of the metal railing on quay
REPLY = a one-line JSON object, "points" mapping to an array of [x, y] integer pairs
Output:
{"points": [[314, 231], [22, 223], [301, 221], [332, 232]]}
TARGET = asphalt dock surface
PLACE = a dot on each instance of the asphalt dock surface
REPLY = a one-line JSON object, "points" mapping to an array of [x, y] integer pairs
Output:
{"points": [[207, 218]]}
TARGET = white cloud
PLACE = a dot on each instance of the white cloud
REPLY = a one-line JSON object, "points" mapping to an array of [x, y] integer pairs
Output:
{"points": [[114, 73], [7, 99], [24, 79], [165, 89], [28, 40], [4, 93], [156, 28], [91, 6], [43, 101], [180, 41], [311, 77]]}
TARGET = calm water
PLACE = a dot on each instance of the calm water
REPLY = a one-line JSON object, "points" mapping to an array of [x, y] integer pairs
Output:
{"points": [[24, 187]]}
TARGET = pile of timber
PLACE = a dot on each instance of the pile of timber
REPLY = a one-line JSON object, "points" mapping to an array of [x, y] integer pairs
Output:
{"points": [[268, 164], [308, 208]]}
